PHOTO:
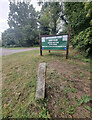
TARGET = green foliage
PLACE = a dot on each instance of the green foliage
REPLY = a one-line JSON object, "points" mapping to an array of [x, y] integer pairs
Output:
{"points": [[44, 113], [80, 101], [85, 99], [87, 60], [83, 41], [88, 7], [88, 108], [45, 22], [49, 18], [23, 26], [79, 17], [30, 36], [65, 91], [34, 115], [22, 110], [73, 90], [8, 34], [55, 10], [71, 109], [76, 16], [90, 70]]}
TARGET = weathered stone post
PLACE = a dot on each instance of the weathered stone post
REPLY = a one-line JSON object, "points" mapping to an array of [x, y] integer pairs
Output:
{"points": [[40, 89]]}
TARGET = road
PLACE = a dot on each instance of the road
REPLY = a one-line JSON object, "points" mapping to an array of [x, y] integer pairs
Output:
{"points": [[6, 51]]}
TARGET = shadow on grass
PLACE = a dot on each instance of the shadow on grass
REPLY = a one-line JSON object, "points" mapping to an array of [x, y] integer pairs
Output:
{"points": [[55, 54]]}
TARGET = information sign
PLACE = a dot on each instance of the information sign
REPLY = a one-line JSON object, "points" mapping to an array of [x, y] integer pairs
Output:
{"points": [[55, 42]]}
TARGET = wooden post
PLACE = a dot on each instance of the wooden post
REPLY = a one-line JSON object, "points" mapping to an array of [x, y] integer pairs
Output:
{"points": [[49, 51], [40, 45], [67, 51]]}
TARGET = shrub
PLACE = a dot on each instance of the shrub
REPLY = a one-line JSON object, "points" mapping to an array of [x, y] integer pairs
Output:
{"points": [[83, 42]]}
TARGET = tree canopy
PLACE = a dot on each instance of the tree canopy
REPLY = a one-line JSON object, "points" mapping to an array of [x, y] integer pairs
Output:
{"points": [[23, 25], [79, 16]]}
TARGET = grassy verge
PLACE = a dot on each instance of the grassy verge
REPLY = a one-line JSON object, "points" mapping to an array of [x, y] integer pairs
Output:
{"points": [[62, 90]]}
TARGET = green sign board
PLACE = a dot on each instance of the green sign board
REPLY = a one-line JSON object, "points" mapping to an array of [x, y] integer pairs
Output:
{"points": [[58, 42]]}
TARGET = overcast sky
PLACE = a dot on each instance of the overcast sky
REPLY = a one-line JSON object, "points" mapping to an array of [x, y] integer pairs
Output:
{"points": [[4, 11]]}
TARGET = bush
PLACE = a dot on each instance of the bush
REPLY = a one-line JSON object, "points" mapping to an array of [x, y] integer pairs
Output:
{"points": [[83, 42]]}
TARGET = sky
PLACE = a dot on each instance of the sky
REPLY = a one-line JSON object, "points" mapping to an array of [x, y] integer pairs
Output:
{"points": [[4, 11]]}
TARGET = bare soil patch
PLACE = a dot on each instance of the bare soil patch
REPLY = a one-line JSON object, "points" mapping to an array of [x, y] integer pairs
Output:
{"points": [[67, 83]]}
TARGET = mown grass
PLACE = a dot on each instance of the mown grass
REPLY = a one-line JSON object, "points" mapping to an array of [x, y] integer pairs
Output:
{"points": [[19, 83]]}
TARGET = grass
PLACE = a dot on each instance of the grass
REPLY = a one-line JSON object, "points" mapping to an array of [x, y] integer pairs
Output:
{"points": [[19, 84]]}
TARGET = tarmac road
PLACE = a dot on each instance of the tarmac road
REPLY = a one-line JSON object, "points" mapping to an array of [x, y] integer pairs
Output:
{"points": [[6, 51]]}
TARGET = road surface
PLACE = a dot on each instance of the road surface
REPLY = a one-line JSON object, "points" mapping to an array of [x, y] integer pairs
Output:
{"points": [[6, 51]]}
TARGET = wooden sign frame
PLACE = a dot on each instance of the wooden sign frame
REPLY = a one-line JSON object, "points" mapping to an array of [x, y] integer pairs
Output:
{"points": [[67, 48]]}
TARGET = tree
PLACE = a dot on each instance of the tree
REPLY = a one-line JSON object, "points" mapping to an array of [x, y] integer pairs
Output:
{"points": [[79, 17], [75, 14], [45, 22], [8, 37], [88, 7], [50, 14], [23, 24], [30, 36], [55, 10]]}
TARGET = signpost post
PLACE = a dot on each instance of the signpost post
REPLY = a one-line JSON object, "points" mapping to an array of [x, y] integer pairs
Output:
{"points": [[40, 45], [67, 51], [55, 42]]}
